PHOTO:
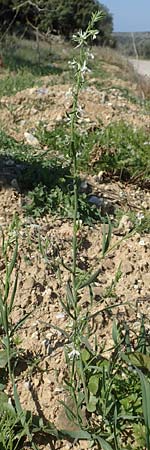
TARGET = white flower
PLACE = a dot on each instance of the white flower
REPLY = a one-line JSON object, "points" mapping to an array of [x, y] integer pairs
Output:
{"points": [[95, 34], [74, 354], [84, 68], [142, 242], [140, 216]]}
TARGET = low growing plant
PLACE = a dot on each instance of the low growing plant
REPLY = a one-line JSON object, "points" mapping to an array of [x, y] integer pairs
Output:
{"points": [[15, 424]]}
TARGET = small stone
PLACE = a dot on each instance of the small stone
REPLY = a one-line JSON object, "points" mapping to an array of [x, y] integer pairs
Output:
{"points": [[146, 280], [84, 186], [127, 268], [104, 98], [59, 117], [60, 315], [100, 176], [42, 91], [15, 185], [125, 225], [145, 205], [28, 284], [36, 335], [22, 122], [31, 140], [27, 385], [36, 383], [98, 201]]}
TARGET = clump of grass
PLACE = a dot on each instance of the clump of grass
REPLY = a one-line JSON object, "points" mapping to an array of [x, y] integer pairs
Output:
{"points": [[140, 220], [118, 149], [122, 150], [23, 79], [46, 178]]}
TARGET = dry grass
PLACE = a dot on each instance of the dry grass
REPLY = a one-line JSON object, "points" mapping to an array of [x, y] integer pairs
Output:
{"points": [[114, 58]]}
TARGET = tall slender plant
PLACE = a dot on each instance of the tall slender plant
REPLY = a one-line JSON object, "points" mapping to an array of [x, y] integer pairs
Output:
{"points": [[80, 68]]}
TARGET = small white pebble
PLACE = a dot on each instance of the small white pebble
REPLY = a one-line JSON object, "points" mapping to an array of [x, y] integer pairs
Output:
{"points": [[142, 242], [60, 316]]}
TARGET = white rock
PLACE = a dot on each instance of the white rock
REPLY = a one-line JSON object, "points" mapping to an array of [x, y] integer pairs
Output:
{"points": [[125, 224], [100, 176], [31, 140]]}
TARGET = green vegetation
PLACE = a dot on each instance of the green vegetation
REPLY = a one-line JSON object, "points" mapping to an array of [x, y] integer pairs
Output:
{"points": [[21, 80], [47, 179], [109, 385], [59, 17], [141, 41]]}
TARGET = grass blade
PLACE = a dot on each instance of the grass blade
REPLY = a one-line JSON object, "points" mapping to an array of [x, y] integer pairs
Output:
{"points": [[13, 295], [106, 238], [145, 386]]}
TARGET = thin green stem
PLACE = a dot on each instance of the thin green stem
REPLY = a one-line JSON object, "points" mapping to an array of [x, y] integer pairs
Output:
{"points": [[75, 185]]}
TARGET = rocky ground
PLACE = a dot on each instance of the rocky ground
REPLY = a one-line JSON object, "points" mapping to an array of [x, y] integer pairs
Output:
{"points": [[41, 282], [49, 105]]}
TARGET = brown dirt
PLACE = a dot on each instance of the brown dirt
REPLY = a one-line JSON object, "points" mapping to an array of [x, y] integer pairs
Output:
{"points": [[40, 286], [49, 105]]}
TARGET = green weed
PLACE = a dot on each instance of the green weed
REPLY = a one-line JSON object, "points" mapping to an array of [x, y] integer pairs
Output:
{"points": [[140, 220], [123, 151], [16, 425], [16, 82], [118, 149]]}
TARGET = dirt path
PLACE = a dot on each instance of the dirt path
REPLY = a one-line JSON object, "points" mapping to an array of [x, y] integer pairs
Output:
{"points": [[142, 66]]}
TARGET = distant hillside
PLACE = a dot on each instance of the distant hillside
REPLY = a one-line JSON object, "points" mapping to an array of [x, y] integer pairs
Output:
{"points": [[129, 43]]}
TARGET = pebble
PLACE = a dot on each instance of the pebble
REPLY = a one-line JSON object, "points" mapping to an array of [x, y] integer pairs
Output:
{"points": [[28, 283], [15, 185], [127, 268], [30, 139], [100, 176], [145, 205], [84, 186], [98, 201], [125, 224]]}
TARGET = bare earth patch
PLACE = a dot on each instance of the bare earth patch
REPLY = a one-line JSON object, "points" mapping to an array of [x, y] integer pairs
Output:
{"points": [[49, 105], [40, 385]]}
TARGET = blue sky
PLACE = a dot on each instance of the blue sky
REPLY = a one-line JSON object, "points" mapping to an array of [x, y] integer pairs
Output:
{"points": [[129, 15]]}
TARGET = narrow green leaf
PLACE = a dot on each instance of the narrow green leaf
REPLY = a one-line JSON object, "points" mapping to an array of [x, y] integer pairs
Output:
{"points": [[85, 355], [104, 444], [19, 409], [13, 295], [69, 412], [91, 406], [13, 261], [3, 359], [140, 360], [115, 333], [106, 238], [20, 323], [66, 309], [76, 435], [69, 292], [89, 280], [145, 385], [93, 384]]}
